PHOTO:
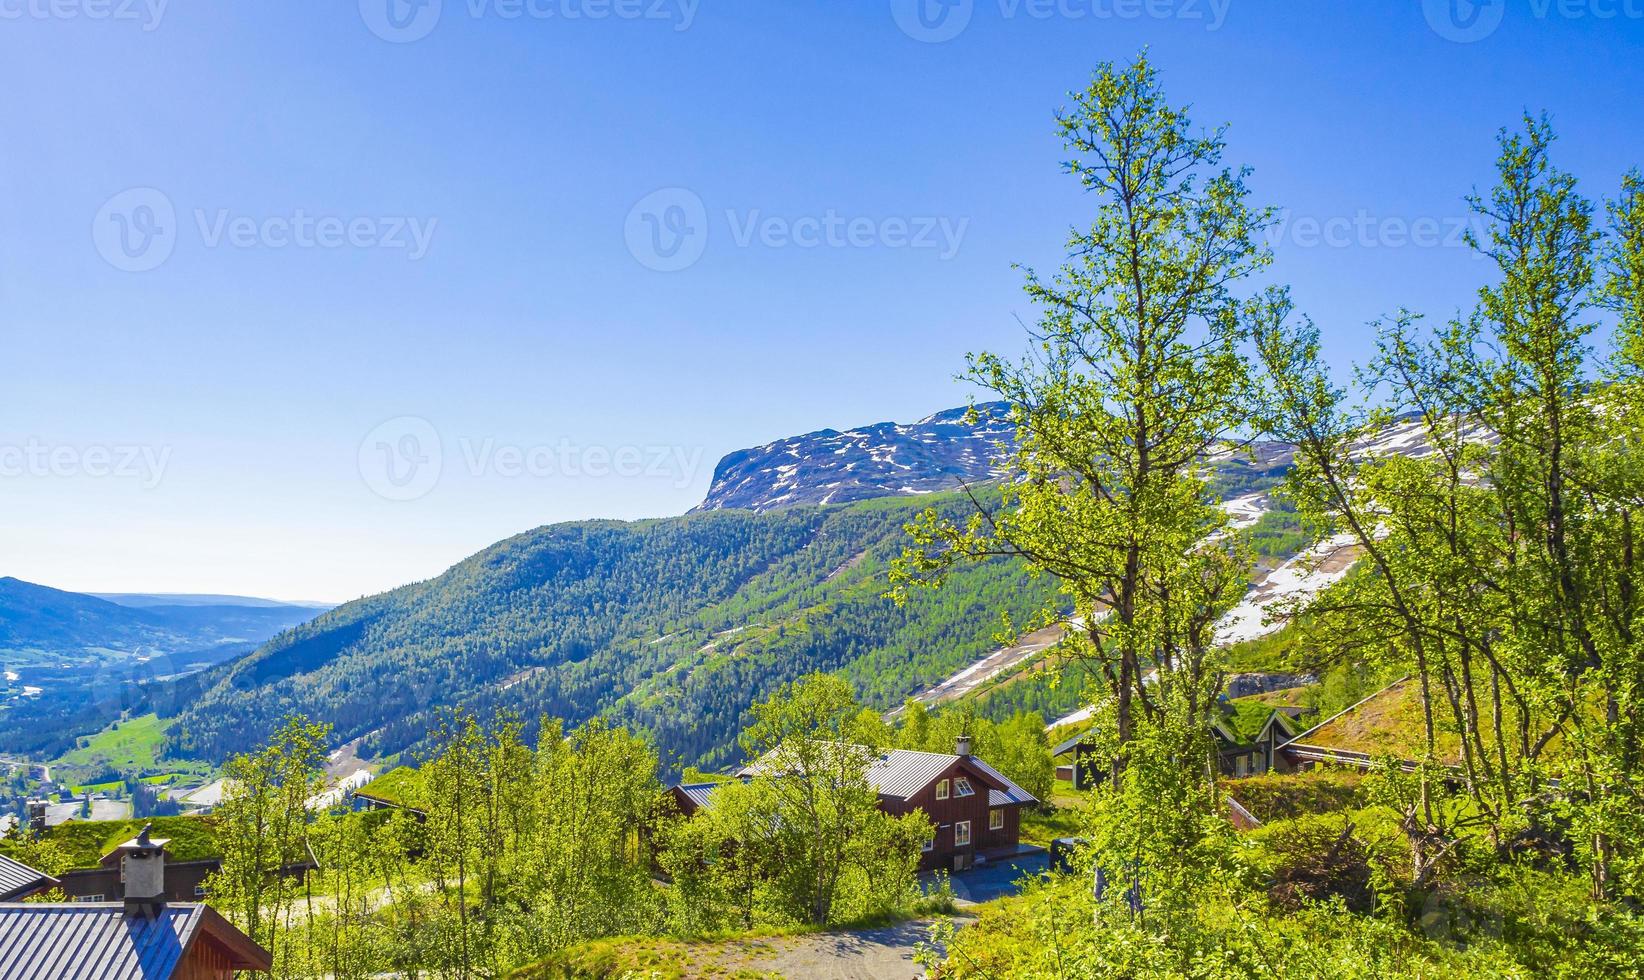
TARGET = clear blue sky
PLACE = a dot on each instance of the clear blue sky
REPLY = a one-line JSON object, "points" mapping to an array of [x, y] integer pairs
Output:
{"points": [[254, 360]]}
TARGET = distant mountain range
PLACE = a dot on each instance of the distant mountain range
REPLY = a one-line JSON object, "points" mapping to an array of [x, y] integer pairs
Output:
{"points": [[41, 622], [147, 600], [69, 660]]}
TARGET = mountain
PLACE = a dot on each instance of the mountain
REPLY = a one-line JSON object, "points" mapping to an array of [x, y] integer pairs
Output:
{"points": [[70, 660], [674, 626], [147, 600], [941, 452], [41, 622]]}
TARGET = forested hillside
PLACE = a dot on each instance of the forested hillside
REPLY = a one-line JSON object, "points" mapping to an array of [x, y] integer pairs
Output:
{"points": [[674, 626]]}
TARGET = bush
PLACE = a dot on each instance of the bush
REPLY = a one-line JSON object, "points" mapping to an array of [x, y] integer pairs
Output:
{"points": [[1319, 862], [1287, 796]]}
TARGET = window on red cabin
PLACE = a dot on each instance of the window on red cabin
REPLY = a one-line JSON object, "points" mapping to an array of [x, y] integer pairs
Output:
{"points": [[961, 787], [996, 820], [961, 833], [941, 789]]}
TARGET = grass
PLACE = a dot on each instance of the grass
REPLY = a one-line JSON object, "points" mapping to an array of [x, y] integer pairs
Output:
{"points": [[656, 959], [1287, 796], [401, 786], [1063, 818], [107, 787], [86, 841], [129, 744]]}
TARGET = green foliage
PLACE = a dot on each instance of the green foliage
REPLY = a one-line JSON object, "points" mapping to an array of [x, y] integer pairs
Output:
{"points": [[671, 627], [1016, 746], [261, 827], [1284, 796], [84, 842], [125, 746]]}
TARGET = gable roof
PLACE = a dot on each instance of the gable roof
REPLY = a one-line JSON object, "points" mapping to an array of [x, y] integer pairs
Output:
{"points": [[904, 773], [99, 941], [18, 879], [697, 794]]}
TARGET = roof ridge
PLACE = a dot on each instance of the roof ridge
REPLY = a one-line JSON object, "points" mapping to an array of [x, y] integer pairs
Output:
{"points": [[1347, 710]]}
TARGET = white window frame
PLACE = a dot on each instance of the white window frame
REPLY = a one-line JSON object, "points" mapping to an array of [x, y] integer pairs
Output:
{"points": [[996, 818], [941, 789], [88, 898], [199, 891], [961, 834], [929, 845], [962, 787]]}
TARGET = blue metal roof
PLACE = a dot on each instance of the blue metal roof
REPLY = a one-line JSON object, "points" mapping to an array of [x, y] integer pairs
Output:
{"points": [[94, 941]]}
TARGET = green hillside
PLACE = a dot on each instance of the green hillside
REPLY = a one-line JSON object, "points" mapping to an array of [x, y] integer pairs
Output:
{"points": [[672, 626]]}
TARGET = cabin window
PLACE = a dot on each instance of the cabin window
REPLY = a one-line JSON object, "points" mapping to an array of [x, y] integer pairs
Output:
{"points": [[961, 833], [996, 820], [89, 898], [941, 789], [1242, 766], [961, 787], [199, 891], [929, 844]]}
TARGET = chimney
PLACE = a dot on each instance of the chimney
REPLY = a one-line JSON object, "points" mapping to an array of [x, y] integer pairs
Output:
{"points": [[961, 745], [143, 873], [37, 817]]}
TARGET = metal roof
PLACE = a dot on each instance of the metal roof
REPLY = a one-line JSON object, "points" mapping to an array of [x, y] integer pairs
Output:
{"points": [[902, 773], [698, 793], [17, 879], [94, 941], [1012, 793]]}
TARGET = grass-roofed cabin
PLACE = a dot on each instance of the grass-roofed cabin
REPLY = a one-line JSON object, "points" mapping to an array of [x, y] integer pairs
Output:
{"points": [[192, 855], [401, 788], [1389, 725], [1249, 733]]}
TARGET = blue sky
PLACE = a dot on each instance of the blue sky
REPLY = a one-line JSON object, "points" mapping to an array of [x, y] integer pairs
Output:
{"points": [[256, 259]]}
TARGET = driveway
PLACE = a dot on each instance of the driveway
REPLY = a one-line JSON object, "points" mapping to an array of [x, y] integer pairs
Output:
{"points": [[872, 954], [999, 879]]}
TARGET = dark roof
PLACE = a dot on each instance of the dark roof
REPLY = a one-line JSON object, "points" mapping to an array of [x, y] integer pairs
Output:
{"points": [[99, 941], [902, 773], [18, 879], [1063, 748], [697, 793]]}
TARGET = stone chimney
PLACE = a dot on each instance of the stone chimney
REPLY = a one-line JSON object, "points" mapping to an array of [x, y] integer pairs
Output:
{"points": [[143, 874], [961, 745], [37, 817]]}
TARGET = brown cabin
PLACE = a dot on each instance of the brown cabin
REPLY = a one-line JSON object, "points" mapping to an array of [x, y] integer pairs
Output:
{"points": [[975, 809], [143, 936]]}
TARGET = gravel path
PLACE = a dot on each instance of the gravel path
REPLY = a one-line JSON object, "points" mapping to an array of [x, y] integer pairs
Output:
{"points": [[871, 954]]}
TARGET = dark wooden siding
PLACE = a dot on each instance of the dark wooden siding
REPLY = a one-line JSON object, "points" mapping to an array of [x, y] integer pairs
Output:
{"points": [[945, 814]]}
